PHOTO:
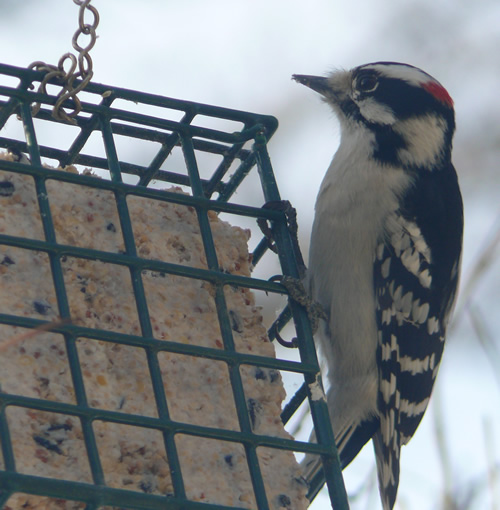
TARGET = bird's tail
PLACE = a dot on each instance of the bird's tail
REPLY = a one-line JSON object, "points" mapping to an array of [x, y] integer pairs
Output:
{"points": [[387, 468], [349, 441]]}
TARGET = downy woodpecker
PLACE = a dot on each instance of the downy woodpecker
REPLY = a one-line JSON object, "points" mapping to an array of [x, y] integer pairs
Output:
{"points": [[384, 258]]}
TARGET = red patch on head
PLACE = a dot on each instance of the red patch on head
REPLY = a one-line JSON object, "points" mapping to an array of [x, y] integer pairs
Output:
{"points": [[439, 92]]}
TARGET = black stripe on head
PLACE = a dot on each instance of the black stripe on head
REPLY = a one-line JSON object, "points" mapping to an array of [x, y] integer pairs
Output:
{"points": [[387, 144], [413, 93], [386, 95], [408, 100]]}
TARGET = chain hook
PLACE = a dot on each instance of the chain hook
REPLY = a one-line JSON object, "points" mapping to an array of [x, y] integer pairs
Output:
{"points": [[67, 78]]}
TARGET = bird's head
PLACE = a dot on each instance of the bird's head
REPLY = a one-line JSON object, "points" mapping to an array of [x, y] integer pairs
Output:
{"points": [[409, 113]]}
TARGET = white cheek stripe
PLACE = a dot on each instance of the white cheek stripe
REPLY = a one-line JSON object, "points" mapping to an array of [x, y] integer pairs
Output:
{"points": [[410, 74], [376, 112], [425, 138]]}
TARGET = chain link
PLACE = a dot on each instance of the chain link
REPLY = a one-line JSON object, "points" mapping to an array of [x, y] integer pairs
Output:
{"points": [[67, 77]]}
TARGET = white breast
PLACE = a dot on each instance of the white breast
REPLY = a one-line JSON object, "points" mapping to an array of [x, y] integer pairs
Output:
{"points": [[356, 196]]}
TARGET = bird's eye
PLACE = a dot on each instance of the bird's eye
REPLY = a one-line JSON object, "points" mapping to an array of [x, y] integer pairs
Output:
{"points": [[367, 83]]}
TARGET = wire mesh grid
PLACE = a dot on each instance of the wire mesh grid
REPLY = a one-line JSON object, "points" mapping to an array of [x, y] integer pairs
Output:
{"points": [[169, 127]]}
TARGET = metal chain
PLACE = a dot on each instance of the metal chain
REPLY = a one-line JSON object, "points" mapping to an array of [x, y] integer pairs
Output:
{"points": [[67, 78]]}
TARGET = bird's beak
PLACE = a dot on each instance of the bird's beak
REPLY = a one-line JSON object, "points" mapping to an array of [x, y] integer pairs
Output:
{"points": [[317, 83]]}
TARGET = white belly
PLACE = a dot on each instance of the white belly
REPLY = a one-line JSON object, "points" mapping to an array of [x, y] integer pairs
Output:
{"points": [[352, 206]]}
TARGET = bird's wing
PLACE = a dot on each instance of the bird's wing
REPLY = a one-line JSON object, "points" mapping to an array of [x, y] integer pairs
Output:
{"points": [[415, 286]]}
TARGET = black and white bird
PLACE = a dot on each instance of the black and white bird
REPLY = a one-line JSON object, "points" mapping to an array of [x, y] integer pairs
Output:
{"points": [[384, 258]]}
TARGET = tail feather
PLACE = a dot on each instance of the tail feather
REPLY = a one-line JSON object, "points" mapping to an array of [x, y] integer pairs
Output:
{"points": [[354, 439], [349, 442], [387, 468]]}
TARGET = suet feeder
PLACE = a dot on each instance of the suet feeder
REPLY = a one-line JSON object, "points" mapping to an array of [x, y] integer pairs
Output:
{"points": [[102, 331]]}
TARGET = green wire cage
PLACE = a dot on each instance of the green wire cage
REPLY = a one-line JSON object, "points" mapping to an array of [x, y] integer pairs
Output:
{"points": [[217, 163]]}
